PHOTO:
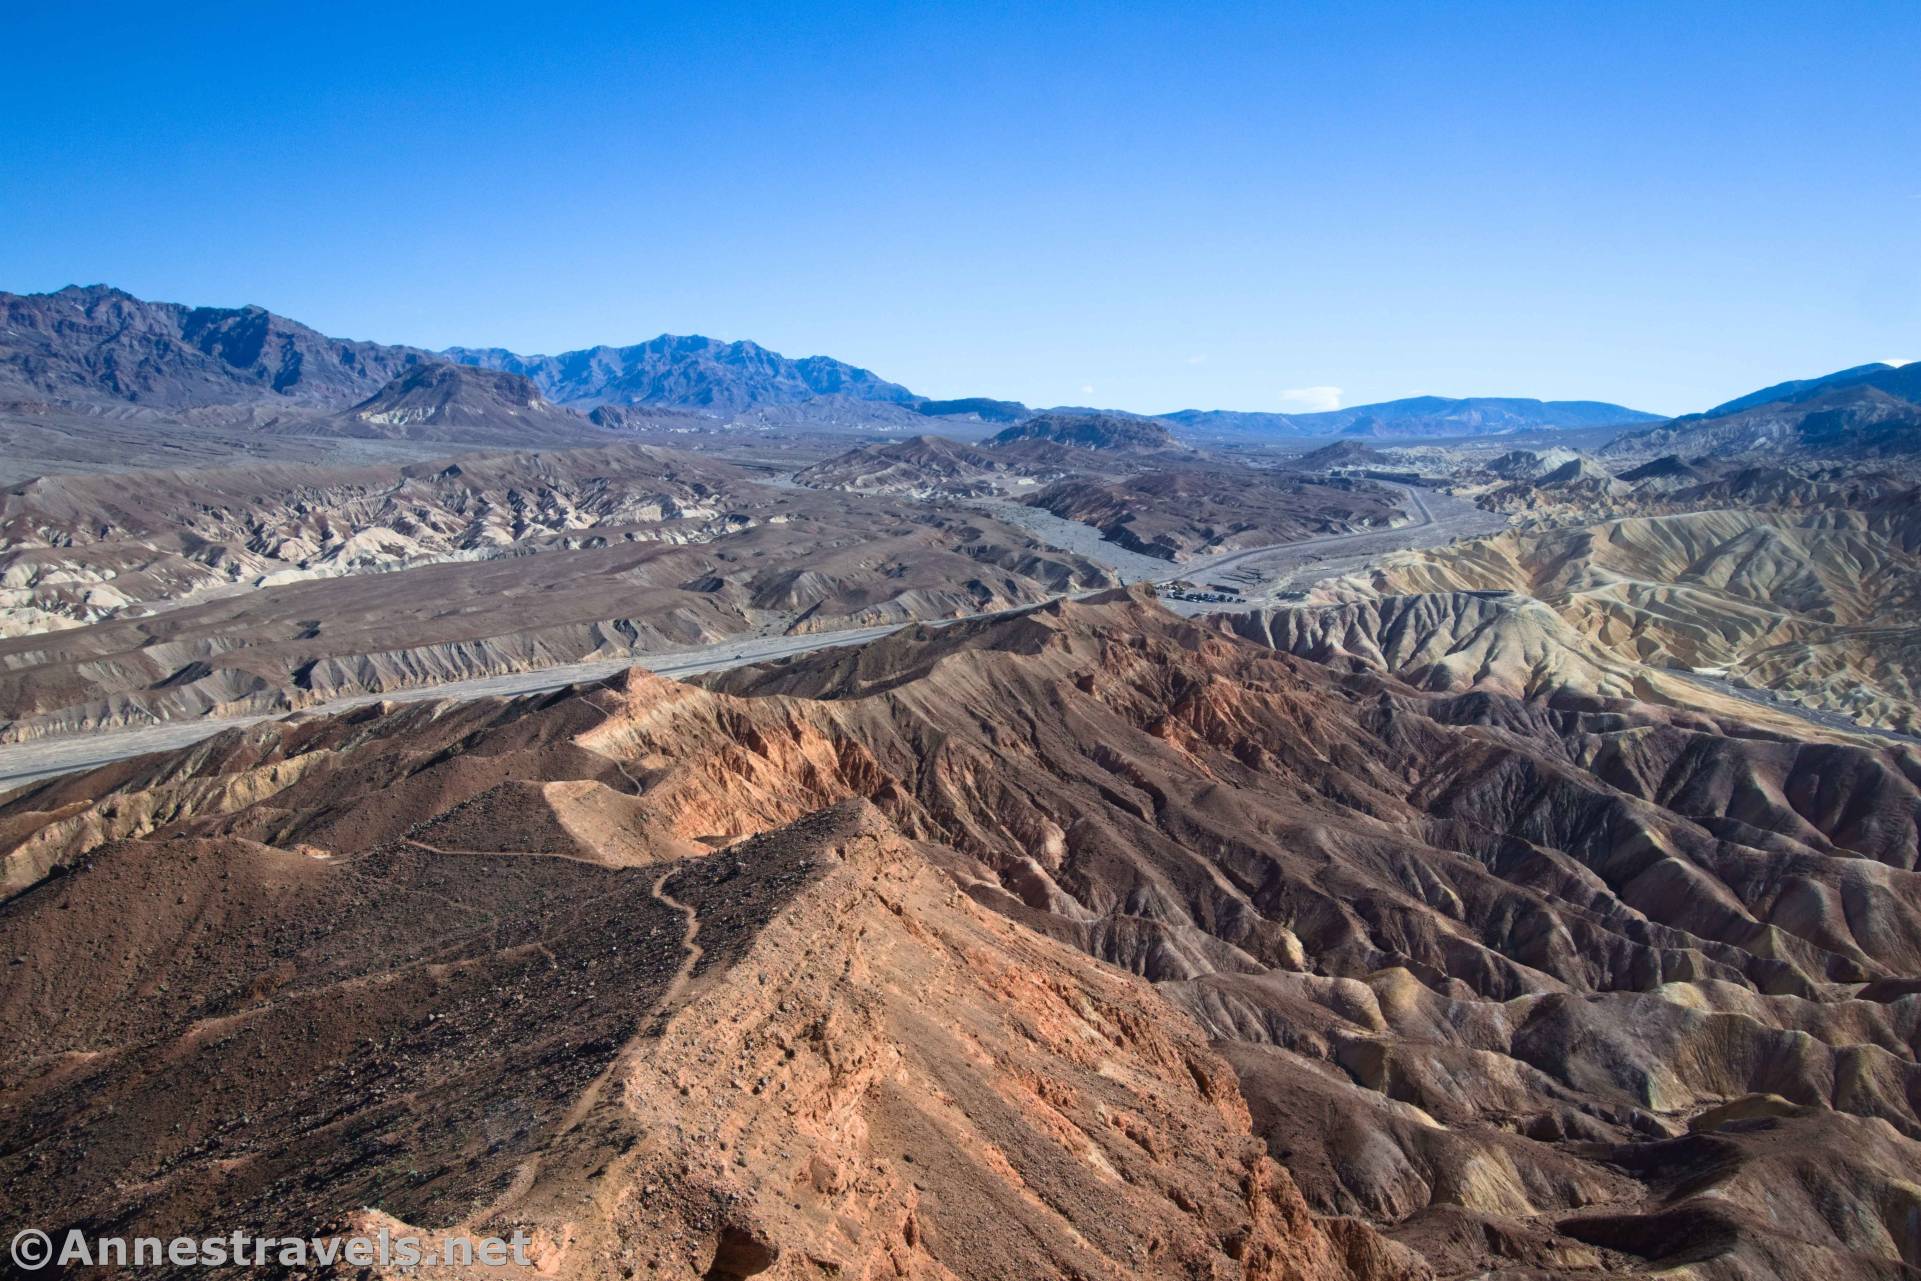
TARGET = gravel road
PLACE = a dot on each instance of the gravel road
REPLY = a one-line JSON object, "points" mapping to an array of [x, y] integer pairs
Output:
{"points": [[1438, 518], [43, 758], [1774, 702], [1259, 573]]}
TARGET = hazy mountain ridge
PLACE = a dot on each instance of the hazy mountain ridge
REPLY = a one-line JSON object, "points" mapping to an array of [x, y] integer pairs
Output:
{"points": [[1800, 389], [91, 348], [688, 371], [95, 346], [1418, 416], [1868, 411]]}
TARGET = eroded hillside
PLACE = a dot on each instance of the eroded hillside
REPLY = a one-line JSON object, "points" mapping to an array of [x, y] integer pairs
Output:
{"points": [[160, 596], [1801, 585], [1179, 513], [1546, 982]]}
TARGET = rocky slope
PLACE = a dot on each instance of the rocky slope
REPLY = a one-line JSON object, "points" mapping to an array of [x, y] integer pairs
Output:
{"points": [[1088, 431], [921, 465], [81, 549], [655, 1048], [1563, 985], [1497, 641], [454, 403], [98, 344], [1179, 512], [1872, 411], [689, 372], [1800, 586]]}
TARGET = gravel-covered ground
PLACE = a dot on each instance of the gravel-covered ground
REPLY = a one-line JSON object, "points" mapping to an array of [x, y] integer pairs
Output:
{"points": [[1259, 573]]}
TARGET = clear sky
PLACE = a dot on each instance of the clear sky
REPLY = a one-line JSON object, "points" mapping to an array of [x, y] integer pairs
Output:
{"points": [[1144, 206]]}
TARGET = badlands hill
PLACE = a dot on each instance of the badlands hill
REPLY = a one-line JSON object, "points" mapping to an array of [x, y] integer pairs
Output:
{"points": [[1531, 464], [976, 408], [1179, 512], [1802, 585], [1554, 482], [82, 549], [1088, 431], [1085, 942], [444, 402], [1668, 473], [921, 464], [1454, 641], [1039, 449], [1342, 453]]}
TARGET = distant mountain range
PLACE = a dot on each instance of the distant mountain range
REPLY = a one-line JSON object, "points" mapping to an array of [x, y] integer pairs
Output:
{"points": [[1804, 389], [97, 346], [1866, 411], [1416, 416], [94, 346], [687, 373]]}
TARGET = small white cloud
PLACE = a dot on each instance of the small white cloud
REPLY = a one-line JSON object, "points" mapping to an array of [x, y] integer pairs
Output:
{"points": [[1198, 360], [1312, 400], [1897, 363], [1087, 389]]}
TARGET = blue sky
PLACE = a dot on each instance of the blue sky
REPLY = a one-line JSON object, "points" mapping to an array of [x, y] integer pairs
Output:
{"points": [[1146, 206]]}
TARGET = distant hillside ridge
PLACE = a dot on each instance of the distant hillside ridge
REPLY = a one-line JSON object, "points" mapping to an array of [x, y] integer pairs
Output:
{"points": [[1418, 416], [1868, 411], [457, 402], [94, 344], [691, 372], [1089, 431]]}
